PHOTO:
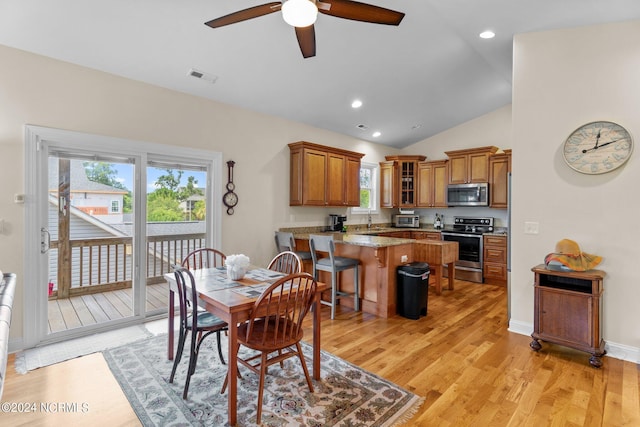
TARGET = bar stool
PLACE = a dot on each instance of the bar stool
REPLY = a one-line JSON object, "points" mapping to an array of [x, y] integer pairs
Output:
{"points": [[334, 264], [286, 242]]}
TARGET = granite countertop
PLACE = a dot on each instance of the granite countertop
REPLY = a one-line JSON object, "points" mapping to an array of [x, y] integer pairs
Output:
{"points": [[368, 236], [359, 239]]}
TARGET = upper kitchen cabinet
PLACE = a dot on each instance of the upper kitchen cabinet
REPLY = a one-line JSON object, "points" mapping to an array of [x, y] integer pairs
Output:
{"points": [[323, 176], [433, 178], [499, 168], [471, 165], [399, 181], [388, 187]]}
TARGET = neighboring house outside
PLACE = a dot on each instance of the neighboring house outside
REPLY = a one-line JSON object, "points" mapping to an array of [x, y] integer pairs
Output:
{"points": [[189, 205], [99, 200]]}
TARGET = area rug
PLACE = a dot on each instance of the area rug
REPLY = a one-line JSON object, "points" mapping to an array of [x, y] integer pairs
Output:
{"points": [[50, 354], [345, 396]]}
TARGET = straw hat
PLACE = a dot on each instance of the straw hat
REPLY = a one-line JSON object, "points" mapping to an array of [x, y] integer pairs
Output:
{"points": [[569, 256]]}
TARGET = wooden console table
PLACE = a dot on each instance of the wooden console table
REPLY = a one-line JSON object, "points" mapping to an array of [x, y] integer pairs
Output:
{"points": [[568, 310]]}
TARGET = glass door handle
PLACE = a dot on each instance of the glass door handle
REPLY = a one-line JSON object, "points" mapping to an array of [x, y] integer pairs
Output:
{"points": [[45, 240]]}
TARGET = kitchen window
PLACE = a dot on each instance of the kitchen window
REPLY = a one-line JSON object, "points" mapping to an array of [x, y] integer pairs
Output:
{"points": [[368, 189]]}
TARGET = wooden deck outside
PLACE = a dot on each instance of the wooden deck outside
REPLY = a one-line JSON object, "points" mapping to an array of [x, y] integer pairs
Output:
{"points": [[83, 310]]}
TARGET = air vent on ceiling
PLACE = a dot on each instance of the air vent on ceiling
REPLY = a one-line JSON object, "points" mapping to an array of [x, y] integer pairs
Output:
{"points": [[202, 75]]}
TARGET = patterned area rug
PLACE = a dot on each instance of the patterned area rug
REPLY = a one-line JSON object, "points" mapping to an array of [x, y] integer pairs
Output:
{"points": [[345, 396]]}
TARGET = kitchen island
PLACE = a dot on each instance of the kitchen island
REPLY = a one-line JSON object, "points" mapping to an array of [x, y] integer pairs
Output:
{"points": [[379, 257]]}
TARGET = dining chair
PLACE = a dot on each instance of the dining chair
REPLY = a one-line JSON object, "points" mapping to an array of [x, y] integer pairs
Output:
{"points": [[275, 325], [334, 265], [204, 258], [286, 242], [286, 262], [201, 324]]}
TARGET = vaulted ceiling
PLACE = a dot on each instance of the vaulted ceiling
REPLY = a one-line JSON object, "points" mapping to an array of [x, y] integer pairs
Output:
{"points": [[428, 74]]}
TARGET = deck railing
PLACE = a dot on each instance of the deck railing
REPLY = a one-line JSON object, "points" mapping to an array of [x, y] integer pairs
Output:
{"points": [[104, 264]]}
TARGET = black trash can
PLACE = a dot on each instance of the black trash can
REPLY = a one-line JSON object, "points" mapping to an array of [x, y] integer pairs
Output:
{"points": [[412, 287]]}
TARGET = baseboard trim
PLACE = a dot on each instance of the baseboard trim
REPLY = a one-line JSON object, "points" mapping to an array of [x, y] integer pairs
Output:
{"points": [[615, 350]]}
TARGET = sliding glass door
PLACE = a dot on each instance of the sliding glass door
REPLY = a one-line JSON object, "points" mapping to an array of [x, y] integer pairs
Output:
{"points": [[106, 219], [90, 262], [176, 222]]}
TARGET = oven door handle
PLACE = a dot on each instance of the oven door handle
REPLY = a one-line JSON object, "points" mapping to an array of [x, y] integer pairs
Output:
{"points": [[461, 235]]}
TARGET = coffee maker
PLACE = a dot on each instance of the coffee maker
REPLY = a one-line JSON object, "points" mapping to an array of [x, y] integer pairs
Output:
{"points": [[336, 222]]}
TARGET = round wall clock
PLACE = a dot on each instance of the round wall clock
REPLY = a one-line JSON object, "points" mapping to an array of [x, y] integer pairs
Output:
{"points": [[230, 199], [598, 147]]}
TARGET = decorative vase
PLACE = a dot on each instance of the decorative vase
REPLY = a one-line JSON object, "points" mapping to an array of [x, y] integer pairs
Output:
{"points": [[236, 273]]}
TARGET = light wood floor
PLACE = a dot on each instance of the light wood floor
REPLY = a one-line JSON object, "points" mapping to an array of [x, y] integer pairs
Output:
{"points": [[78, 311], [461, 358]]}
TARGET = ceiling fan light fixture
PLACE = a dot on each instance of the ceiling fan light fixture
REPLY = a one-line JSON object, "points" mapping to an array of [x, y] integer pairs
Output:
{"points": [[299, 13]]}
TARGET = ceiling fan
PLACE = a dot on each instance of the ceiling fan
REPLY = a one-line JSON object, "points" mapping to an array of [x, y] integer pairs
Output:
{"points": [[302, 14]]}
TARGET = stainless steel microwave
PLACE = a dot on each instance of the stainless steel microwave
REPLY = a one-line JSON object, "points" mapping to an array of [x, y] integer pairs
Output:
{"points": [[407, 221], [476, 194]]}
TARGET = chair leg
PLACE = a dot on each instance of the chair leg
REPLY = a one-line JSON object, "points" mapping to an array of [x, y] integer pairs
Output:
{"points": [[334, 293], [226, 377], [304, 366], [176, 361], [192, 365], [263, 372], [220, 348], [356, 288]]}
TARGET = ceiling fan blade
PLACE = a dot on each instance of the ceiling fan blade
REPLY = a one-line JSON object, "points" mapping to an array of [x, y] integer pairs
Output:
{"points": [[243, 15], [307, 40], [356, 11]]}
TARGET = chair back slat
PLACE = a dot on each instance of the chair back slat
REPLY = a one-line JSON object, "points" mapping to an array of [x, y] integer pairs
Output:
{"points": [[204, 258], [286, 262], [278, 313]]}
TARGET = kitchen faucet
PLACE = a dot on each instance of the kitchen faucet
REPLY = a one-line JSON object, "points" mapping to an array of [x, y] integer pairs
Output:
{"points": [[369, 220]]}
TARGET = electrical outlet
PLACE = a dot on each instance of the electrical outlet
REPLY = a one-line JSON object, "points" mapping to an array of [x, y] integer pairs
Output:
{"points": [[531, 227], [404, 258]]}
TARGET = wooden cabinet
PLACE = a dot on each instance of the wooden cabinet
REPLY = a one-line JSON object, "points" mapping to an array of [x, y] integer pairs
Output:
{"points": [[399, 181], [494, 261], [499, 168], [388, 188], [433, 178], [471, 165], [426, 235], [568, 310], [323, 176], [396, 234]]}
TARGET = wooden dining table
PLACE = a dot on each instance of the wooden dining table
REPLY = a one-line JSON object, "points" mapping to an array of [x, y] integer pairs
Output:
{"points": [[232, 302]]}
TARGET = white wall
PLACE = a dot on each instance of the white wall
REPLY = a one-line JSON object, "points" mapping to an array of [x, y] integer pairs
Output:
{"points": [[41, 91], [563, 79]]}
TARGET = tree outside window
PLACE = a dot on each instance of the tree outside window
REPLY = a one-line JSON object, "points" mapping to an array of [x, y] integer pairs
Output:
{"points": [[368, 189]]}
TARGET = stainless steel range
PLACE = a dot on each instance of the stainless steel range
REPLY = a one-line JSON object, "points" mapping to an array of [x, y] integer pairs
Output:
{"points": [[467, 231]]}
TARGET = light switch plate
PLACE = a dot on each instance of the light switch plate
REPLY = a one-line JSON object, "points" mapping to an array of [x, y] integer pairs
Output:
{"points": [[531, 227]]}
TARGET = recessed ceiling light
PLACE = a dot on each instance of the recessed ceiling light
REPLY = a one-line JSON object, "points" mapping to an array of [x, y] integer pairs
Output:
{"points": [[376, 134], [487, 34], [356, 104]]}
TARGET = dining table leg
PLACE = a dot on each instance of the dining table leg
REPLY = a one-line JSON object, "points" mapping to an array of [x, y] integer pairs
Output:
{"points": [[232, 372], [170, 331]]}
